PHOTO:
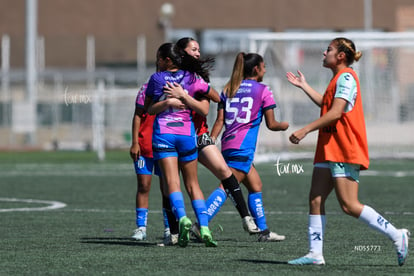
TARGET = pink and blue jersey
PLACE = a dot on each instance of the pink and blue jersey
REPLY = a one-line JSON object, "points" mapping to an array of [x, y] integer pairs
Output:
{"points": [[243, 114], [147, 122], [140, 99], [175, 121]]}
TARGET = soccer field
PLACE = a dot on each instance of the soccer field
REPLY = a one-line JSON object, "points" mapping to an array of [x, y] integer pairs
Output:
{"points": [[64, 213]]}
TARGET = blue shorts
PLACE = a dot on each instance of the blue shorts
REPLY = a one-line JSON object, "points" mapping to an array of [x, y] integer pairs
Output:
{"points": [[171, 145], [145, 165], [241, 160], [339, 169]]}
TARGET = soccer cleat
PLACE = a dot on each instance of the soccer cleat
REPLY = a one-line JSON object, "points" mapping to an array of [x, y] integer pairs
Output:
{"points": [[167, 233], [207, 237], [184, 235], [170, 240], [270, 237], [140, 234], [309, 259], [402, 246], [167, 236], [249, 225], [173, 239], [195, 232]]}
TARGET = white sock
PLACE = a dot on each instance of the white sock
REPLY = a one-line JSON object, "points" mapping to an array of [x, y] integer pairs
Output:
{"points": [[316, 232], [379, 223]]}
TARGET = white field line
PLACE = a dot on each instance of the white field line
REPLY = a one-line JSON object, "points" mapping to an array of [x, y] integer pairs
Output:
{"points": [[228, 212], [122, 171], [67, 170], [57, 205], [51, 205], [281, 166]]}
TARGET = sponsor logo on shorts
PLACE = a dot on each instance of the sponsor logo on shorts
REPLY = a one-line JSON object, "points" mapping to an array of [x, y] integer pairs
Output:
{"points": [[141, 163]]}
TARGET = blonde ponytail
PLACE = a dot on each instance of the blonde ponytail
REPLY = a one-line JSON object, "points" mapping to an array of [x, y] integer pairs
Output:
{"points": [[237, 76]]}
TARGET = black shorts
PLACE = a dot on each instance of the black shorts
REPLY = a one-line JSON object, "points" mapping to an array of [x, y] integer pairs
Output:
{"points": [[204, 140]]}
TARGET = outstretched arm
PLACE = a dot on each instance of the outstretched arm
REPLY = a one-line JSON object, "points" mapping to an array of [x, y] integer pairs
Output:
{"points": [[328, 118], [300, 81]]}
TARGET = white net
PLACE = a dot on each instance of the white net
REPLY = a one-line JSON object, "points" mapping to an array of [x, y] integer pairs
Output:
{"points": [[385, 73]]}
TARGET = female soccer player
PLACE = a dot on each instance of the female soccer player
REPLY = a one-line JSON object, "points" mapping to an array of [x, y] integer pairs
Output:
{"points": [[341, 152], [243, 103], [141, 154], [210, 156], [174, 139]]}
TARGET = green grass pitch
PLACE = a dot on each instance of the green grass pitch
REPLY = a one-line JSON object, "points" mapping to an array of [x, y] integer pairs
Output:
{"points": [[91, 234]]}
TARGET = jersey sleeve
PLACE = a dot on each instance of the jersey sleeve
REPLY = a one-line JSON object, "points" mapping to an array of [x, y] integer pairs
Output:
{"points": [[268, 99], [201, 86], [346, 88], [155, 87], [140, 99]]}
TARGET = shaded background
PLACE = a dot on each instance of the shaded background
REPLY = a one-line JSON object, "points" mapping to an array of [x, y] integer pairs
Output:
{"points": [[90, 57]]}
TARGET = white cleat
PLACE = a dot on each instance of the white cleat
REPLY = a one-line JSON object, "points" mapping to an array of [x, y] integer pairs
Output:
{"points": [[401, 246], [170, 240], [167, 233], [173, 239], [167, 236], [140, 234], [309, 259], [271, 237], [249, 225]]}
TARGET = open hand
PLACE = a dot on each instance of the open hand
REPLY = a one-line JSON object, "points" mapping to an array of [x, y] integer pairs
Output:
{"points": [[298, 81]]}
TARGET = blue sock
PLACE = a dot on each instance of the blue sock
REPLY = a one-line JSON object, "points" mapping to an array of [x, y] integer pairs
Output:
{"points": [[199, 206], [164, 213], [141, 217], [177, 204], [214, 202], [256, 208]]}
